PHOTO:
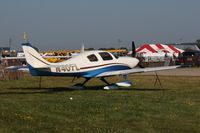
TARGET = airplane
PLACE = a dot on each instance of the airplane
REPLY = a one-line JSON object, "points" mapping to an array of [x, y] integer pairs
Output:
{"points": [[88, 64]]}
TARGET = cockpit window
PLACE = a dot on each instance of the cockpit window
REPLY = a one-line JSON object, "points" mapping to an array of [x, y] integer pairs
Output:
{"points": [[115, 55], [105, 56], [92, 58]]}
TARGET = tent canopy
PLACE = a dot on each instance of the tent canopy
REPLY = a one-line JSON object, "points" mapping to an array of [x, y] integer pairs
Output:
{"points": [[158, 49]]}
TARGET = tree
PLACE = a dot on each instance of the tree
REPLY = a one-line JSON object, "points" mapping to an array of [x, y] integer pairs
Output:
{"points": [[111, 48], [123, 48], [102, 49], [90, 49]]}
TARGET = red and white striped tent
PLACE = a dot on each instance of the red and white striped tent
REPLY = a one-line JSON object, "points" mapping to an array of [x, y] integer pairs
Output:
{"points": [[158, 50]]}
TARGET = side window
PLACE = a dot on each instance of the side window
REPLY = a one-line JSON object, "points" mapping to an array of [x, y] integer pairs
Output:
{"points": [[115, 55], [92, 58], [105, 56]]}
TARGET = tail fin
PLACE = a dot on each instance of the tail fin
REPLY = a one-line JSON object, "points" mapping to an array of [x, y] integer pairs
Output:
{"points": [[33, 58]]}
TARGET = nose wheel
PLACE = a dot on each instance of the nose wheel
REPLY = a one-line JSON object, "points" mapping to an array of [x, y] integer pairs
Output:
{"points": [[125, 83]]}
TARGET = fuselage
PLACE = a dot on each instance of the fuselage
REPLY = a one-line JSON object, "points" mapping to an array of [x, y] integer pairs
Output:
{"points": [[86, 64], [92, 63]]}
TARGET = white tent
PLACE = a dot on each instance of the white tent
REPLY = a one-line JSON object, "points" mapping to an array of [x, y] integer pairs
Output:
{"points": [[157, 52], [170, 50]]}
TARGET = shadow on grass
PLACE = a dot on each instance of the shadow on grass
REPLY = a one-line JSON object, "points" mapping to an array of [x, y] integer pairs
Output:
{"points": [[34, 90], [37, 90], [150, 89]]}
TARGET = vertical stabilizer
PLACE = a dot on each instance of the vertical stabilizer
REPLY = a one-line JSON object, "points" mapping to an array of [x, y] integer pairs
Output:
{"points": [[33, 58]]}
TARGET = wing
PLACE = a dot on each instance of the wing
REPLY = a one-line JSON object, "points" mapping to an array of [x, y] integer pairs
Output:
{"points": [[12, 58], [18, 68], [135, 70]]}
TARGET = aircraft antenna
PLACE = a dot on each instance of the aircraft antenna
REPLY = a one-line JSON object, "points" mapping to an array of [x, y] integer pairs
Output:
{"points": [[10, 42], [82, 48], [25, 37]]}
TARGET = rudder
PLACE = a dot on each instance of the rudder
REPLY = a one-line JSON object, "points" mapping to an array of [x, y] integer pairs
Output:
{"points": [[33, 58]]}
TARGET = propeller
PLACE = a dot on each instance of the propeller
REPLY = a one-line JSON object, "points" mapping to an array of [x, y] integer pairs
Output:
{"points": [[134, 54], [133, 49]]}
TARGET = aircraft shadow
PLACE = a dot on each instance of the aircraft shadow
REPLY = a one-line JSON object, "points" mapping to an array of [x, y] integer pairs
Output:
{"points": [[35, 90]]}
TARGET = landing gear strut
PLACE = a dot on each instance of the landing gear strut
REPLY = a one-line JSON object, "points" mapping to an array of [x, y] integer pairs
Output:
{"points": [[82, 85], [104, 80], [109, 86]]}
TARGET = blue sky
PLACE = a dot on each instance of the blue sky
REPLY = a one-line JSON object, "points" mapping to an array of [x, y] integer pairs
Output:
{"points": [[66, 24]]}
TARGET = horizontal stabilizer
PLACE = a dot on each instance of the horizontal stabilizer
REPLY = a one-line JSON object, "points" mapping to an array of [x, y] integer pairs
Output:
{"points": [[18, 68]]}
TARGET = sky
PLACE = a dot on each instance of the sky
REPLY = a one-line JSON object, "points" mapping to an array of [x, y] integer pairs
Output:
{"points": [[67, 24]]}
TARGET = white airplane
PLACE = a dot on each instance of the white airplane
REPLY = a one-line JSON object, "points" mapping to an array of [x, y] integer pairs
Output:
{"points": [[88, 64]]}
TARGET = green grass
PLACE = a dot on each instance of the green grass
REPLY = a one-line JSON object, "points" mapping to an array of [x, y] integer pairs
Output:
{"points": [[24, 107]]}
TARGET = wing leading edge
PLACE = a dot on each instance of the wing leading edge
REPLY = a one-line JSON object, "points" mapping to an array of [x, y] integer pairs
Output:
{"points": [[136, 70]]}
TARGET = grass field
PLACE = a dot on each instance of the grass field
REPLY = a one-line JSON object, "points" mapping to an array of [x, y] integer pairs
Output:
{"points": [[24, 107]]}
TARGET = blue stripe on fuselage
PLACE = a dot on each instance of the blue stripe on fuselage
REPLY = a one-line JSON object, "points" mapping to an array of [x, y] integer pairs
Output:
{"points": [[89, 74]]}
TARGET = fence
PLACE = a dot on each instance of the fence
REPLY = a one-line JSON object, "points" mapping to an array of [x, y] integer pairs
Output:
{"points": [[10, 74]]}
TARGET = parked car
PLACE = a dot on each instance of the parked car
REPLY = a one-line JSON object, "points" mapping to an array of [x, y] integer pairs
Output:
{"points": [[189, 58]]}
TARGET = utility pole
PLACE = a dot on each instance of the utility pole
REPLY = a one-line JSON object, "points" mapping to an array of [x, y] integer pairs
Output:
{"points": [[10, 42]]}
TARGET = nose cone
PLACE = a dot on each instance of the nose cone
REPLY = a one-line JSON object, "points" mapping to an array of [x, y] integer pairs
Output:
{"points": [[133, 62], [130, 61]]}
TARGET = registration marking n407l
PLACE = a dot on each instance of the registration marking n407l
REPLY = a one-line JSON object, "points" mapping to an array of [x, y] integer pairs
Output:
{"points": [[67, 68]]}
